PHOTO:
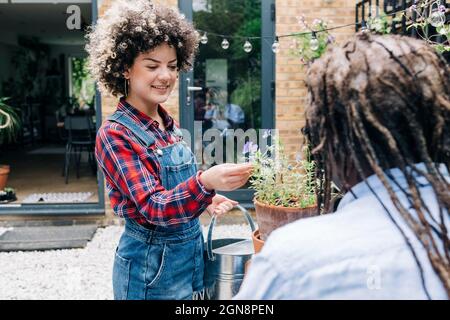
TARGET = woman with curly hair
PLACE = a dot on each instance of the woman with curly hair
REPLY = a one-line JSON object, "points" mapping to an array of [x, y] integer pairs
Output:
{"points": [[136, 51], [378, 123]]}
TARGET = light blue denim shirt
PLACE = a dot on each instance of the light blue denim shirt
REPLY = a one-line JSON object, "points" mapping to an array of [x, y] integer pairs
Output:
{"points": [[355, 253]]}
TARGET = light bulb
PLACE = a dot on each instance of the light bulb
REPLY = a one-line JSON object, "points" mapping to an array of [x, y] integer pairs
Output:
{"points": [[364, 27], [276, 46], [248, 46], [204, 39], [225, 44], [314, 43], [437, 18]]}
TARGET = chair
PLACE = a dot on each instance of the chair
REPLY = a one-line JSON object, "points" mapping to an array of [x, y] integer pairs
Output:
{"points": [[61, 131], [80, 137]]}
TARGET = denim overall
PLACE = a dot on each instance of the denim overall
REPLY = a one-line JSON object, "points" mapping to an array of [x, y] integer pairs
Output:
{"points": [[162, 262]]}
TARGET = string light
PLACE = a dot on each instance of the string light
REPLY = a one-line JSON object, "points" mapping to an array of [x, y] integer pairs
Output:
{"points": [[436, 19], [364, 26], [225, 44], [314, 43], [276, 46], [248, 46], [204, 39]]}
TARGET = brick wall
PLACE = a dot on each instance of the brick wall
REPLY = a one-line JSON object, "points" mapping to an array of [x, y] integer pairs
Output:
{"points": [[290, 73]]}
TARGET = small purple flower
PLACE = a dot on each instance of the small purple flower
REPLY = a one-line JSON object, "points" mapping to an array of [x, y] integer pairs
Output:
{"points": [[298, 157], [316, 22], [413, 8], [250, 147], [330, 39], [442, 8], [301, 19]]}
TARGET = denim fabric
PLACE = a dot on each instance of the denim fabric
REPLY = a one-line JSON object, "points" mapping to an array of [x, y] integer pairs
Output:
{"points": [[166, 262], [158, 265]]}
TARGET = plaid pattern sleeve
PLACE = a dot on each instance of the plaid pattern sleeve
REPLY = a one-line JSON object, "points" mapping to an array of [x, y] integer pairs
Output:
{"points": [[135, 190]]}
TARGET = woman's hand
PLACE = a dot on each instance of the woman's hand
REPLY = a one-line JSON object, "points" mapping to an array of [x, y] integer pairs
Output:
{"points": [[226, 177], [220, 205]]}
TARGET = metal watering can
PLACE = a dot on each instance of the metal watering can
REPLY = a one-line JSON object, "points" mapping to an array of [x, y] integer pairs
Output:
{"points": [[225, 262]]}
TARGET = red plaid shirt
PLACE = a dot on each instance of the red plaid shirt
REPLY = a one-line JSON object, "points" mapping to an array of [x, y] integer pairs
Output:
{"points": [[132, 173]]}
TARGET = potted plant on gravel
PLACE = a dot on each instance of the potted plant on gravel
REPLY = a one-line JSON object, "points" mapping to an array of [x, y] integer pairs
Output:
{"points": [[9, 127], [285, 190]]}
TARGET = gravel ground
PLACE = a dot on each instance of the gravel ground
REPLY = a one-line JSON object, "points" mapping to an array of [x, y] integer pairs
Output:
{"points": [[78, 274]]}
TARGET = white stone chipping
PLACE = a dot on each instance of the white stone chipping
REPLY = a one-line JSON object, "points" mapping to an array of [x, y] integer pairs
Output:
{"points": [[78, 274], [58, 197]]}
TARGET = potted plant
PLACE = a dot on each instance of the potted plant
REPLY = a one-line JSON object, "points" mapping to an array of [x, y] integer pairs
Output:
{"points": [[7, 195], [9, 126], [284, 188]]}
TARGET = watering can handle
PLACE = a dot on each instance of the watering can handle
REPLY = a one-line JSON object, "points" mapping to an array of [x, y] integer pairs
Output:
{"points": [[211, 227]]}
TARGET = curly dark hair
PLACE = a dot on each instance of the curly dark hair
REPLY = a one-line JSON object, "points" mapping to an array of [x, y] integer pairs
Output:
{"points": [[381, 102], [129, 28]]}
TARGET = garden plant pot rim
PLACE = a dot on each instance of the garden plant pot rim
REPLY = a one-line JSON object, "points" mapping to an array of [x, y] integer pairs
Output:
{"points": [[256, 234], [263, 204], [4, 168], [258, 243]]}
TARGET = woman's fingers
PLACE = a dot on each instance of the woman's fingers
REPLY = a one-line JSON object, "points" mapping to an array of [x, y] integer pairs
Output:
{"points": [[239, 169], [227, 176], [225, 207], [237, 178]]}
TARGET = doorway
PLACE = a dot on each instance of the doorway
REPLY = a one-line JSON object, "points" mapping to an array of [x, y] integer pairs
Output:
{"points": [[43, 71]]}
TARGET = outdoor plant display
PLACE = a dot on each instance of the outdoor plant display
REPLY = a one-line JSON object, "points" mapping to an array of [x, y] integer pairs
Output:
{"points": [[422, 15], [425, 16], [312, 41], [284, 188]]}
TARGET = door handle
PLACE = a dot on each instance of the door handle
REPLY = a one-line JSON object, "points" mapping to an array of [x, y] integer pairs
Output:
{"points": [[194, 89], [189, 90]]}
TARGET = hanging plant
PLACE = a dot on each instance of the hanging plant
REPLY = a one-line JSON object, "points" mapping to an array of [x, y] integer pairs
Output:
{"points": [[423, 15], [312, 41], [431, 13]]}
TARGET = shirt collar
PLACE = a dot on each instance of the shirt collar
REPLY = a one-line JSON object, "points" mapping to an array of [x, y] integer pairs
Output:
{"points": [[145, 119], [362, 189]]}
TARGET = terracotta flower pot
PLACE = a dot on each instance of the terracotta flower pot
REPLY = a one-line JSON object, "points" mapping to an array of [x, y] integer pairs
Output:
{"points": [[271, 217], [4, 172], [257, 242]]}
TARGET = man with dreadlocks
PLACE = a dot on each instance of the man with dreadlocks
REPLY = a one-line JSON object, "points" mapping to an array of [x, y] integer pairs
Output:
{"points": [[378, 123]]}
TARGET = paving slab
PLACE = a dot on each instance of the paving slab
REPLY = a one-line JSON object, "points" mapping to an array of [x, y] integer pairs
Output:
{"points": [[46, 237]]}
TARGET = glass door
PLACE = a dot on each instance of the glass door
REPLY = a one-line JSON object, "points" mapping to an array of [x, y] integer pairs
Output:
{"points": [[228, 96]]}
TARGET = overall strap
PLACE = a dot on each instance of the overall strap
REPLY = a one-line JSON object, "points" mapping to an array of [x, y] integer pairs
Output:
{"points": [[177, 131], [146, 137]]}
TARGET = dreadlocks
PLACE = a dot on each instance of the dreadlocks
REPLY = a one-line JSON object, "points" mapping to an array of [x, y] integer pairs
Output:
{"points": [[381, 102]]}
